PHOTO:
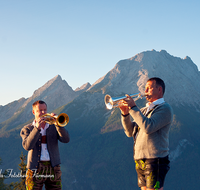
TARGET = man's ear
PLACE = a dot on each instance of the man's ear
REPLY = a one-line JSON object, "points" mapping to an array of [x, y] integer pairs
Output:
{"points": [[160, 89], [33, 112]]}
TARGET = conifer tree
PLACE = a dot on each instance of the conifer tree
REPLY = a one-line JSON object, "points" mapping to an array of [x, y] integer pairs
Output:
{"points": [[15, 185], [3, 186], [22, 167]]}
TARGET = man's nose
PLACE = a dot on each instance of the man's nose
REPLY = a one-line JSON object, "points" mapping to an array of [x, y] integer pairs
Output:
{"points": [[43, 111]]}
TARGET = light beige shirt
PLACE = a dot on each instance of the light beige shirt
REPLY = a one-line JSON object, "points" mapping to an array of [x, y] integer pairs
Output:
{"points": [[152, 104]]}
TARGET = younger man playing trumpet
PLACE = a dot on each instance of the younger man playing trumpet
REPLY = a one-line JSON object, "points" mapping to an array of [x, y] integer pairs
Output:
{"points": [[41, 141]]}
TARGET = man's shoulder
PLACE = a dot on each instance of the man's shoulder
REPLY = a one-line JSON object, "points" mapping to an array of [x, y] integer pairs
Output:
{"points": [[28, 127], [165, 107]]}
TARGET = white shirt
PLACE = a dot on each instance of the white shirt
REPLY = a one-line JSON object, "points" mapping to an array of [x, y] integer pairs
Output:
{"points": [[152, 104], [44, 151]]}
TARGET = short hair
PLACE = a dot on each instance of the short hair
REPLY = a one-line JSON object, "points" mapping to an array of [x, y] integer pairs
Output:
{"points": [[159, 82], [38, 102]]}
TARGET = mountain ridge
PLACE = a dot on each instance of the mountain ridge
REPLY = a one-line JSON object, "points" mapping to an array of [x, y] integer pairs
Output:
{"points": [[99, 155], [147, 64], [55, 92]]}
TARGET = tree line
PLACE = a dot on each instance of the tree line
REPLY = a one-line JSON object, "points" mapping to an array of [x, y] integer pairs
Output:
{"points": [[20, 185]]}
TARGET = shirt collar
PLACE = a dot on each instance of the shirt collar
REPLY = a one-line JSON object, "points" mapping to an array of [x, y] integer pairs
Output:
{"points": [[156, 102]]}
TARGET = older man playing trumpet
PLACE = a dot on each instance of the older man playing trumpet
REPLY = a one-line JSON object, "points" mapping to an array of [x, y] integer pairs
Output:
{"points": [[150, 130]]}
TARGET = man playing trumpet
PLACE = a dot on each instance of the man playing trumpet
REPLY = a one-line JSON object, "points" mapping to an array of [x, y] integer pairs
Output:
{"points": [[150, 130], [40, 139]]}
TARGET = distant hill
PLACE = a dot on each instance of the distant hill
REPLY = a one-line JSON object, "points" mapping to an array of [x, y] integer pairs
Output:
{"points": [[99, 155]]}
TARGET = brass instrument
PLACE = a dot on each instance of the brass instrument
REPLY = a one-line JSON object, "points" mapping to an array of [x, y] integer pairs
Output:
{"points": [[61, 119], [115, 102]]}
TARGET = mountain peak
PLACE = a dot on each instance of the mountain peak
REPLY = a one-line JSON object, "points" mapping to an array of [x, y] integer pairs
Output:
{"points": [[129, 76], [54, 86], [163, 51], [83, 87], [187, 58], [57, 77]]}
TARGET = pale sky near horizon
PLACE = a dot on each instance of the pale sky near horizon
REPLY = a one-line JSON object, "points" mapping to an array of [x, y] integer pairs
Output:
{"points": [[83, 40]]}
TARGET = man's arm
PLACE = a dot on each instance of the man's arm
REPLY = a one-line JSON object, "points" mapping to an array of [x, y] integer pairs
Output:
{"points": [[30, 136], [160, 117], [63, 134], [128, 125], [125, 106]]}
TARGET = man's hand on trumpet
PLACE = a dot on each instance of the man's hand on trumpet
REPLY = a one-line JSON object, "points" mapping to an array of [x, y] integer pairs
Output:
{"points": [[53, 118], [126, 104], [40, 122]]}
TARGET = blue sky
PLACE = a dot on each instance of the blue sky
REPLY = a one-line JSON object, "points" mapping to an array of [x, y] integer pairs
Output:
{"points": [[83, 40]]}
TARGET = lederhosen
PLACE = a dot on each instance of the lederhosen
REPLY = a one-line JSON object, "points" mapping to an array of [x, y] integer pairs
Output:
{"points": [[151, 172]]}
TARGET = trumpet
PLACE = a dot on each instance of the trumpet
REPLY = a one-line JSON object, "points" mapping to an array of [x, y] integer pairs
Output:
{"points": [[115, 102], [61, 119]]}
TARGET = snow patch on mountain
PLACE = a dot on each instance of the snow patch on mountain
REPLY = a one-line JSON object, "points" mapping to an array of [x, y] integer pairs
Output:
{"points": [[179, 149]]}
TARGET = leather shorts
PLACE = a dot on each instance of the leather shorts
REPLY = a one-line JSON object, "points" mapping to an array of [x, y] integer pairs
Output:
{"points": [[151, 172]]}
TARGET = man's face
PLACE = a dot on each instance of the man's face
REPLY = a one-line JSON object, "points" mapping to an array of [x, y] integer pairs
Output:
{"points": [[153, 91], [39, 110]]}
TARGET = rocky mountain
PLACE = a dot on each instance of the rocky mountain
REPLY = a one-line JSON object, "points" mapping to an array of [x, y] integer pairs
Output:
{"points": [[129, 76], [8, 110], [99, 155], [104, 150], [83, 88], [56, 92]]}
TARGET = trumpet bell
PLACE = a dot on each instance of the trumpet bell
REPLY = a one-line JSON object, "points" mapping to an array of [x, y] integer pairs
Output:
{"points": [[109, 102], [61, 119], [115, 102]]}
